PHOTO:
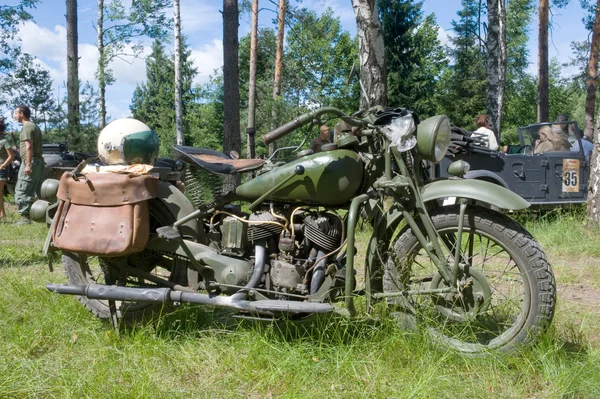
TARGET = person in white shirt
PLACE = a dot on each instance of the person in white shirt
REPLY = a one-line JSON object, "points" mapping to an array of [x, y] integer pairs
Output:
{"points": [[485, 133]]}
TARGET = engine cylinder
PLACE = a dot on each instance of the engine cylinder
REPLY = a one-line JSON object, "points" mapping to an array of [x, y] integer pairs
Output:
{"points": [[323, 230], [261, 231]]}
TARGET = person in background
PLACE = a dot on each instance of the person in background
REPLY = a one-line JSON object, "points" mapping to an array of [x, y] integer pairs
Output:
{"points": [[6, 158], [587, 145], [485, 133], [323, 139], [32, 163], [551, 139], [562, 120]]}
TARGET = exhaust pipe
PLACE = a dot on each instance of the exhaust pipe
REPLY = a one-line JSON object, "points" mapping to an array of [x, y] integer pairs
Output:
{"points": [[163, 295]]}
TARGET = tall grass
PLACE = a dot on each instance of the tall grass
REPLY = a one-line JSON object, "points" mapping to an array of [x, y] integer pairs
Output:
{"points": [[53, 348]]}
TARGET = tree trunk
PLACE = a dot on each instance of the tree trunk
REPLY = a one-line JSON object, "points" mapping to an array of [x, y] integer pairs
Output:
{"points": [[72, 70], [496, 62], [493, 64], [373, 79], [178, 105], [503, 63], [278, 67], [543, 100], [231, 78], [593, 201], [592, 72], [250, 129], [101, 65]]}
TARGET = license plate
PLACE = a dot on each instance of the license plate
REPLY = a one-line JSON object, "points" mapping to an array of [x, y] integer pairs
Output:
{"points": [[570, 176]]}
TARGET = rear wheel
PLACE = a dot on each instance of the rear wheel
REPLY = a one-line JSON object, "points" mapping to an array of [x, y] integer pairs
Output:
{"points": [[506, 289], [83, 270]]}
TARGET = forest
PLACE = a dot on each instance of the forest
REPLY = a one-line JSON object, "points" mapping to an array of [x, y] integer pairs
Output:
{"points": [[315, 64]]}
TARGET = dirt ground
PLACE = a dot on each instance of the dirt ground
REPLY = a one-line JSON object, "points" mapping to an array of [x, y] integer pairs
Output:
{"points": [[578, 306]]}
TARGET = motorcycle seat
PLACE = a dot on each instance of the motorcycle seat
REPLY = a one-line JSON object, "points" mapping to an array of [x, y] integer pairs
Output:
{"points": [[215, 161]]}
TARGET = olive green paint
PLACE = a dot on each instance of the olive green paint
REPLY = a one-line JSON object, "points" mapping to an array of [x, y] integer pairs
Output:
{"points": [[476, 190], [329, 178], [180, 206], [226, 269]]}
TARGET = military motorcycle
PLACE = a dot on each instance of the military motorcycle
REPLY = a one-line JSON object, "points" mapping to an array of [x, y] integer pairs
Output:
{"points": [[282, 244]]}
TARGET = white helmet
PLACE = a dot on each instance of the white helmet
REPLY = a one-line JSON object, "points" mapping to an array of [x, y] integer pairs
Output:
{"points": [[127, 141]]}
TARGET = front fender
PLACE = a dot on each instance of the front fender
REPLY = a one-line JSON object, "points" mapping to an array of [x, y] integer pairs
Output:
{"points": [[478, 190]]}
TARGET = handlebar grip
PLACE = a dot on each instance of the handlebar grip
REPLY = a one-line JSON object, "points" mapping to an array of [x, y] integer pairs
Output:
{"points": [[281, 131]]}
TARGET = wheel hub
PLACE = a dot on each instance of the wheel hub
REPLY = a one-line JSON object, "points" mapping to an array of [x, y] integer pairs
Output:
{"points": [[472, 298]]}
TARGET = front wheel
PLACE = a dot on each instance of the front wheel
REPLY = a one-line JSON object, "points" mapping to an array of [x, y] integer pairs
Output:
{"points": [[506, 291]]}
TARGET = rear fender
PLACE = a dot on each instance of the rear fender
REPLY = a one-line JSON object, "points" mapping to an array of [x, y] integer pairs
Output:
{"points": [[179, 206]]}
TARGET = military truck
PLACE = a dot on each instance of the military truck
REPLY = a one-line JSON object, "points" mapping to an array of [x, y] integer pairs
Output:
{"points": [[545, 179]]}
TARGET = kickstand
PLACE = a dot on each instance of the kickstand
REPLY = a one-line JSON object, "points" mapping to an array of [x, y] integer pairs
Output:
{"points": [[112, 307]]}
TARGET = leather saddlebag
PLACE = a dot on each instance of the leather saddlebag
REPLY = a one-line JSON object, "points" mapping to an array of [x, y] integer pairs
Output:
{"points": [[104, 214]]}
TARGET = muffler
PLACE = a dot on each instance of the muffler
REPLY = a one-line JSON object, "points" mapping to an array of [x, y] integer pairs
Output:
{"points": [[164, 295]]}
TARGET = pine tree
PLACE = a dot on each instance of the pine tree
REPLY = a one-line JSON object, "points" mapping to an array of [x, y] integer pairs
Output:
{"points": [[414, 56], [153, 101], [464, 84]]}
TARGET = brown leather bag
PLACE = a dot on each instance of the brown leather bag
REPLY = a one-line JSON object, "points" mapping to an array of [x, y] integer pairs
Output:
{"points": [[104, 214]]}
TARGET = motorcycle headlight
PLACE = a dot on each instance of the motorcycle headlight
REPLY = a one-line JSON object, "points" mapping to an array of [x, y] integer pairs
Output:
{"points": [[433, 137]]}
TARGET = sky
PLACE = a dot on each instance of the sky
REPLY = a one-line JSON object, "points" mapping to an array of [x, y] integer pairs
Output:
{"points": [[45, 38]]}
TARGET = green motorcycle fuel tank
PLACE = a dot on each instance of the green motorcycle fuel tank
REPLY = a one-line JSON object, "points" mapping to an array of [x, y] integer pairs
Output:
{"points": [[329, 178]]}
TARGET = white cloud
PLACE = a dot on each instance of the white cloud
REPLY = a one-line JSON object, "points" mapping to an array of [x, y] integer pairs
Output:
{"points": [[49, 46], [200, 17], [341, 8], [444, 36], [208, 58]]}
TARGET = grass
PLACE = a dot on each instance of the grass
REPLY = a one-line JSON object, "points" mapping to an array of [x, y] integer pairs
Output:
{"points": [[53, 348]]}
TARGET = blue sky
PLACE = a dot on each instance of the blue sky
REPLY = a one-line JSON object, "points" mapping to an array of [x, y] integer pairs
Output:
{"points": [[202, 24]]}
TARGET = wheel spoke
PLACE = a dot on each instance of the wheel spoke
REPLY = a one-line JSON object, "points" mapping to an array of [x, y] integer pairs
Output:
{"points": [[489, 308]]}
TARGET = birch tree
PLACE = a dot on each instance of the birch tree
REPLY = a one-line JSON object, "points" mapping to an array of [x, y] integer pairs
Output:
{"points": [[178, 113], [250, 129], [592, 74], [72, 69], [119, 30], [593, 206], [496, 62], [373, 78]]}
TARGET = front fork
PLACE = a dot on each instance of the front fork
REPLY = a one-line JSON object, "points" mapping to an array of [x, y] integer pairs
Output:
{"points": [[430, 241]]}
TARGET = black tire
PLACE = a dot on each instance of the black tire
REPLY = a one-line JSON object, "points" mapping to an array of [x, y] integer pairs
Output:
{"points": [[511, 295], [83, 270]]}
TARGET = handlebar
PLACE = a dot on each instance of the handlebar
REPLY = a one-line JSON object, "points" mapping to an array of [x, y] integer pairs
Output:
{"points": [[305, 119]]}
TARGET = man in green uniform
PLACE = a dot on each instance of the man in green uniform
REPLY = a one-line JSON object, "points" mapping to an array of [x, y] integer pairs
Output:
{"points": [[32, 163]]}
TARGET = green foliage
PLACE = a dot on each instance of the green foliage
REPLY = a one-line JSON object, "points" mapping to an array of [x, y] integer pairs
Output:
{"points": [[520, 105], [205, 118], [10, 18], [30, 84], [152, 102], [318, 59], [463, 85], [123, 28], [85, 140], [414, 56]]}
